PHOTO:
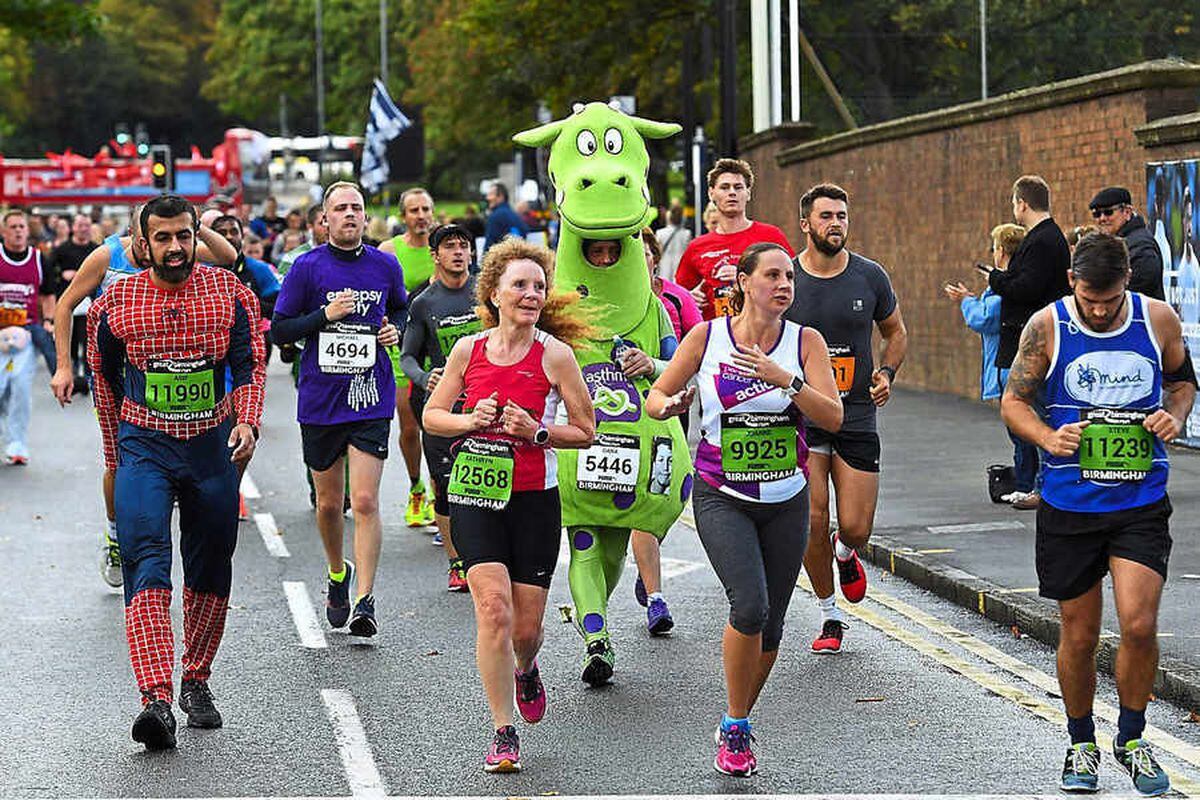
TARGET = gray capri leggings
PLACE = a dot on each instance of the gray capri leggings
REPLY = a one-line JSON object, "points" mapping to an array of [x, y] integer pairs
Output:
{"points": [[757, 550]]}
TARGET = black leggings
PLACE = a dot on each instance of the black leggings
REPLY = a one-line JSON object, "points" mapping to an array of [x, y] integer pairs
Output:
{"points": [[757, 550]]}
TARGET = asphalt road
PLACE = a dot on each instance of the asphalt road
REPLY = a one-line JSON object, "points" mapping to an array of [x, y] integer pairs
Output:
{"points": [[926, 699]]}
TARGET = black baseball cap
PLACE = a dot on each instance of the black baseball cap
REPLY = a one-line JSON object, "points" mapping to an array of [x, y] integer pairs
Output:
{"points": [[447, 231], [1111, 196]]}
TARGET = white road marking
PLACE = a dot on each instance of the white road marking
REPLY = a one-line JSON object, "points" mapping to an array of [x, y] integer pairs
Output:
{"points": [[361, 772], [979, 527], [271, 536], [674, 567], [249, 489], [303, 615], [690, 797]]}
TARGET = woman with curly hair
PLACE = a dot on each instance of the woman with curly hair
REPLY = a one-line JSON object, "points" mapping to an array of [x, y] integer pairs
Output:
{"points": [[503, 490]]}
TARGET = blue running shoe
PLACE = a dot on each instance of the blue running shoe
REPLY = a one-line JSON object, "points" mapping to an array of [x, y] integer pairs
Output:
{"points": [[437, 540], [363, 622], [639, 592], [1081, 770], [1137, 759], [337, 598], [658, 617]]}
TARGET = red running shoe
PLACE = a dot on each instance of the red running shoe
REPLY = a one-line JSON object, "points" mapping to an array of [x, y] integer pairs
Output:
{"points": [[531, 695], [851, 575], [829, 640]]}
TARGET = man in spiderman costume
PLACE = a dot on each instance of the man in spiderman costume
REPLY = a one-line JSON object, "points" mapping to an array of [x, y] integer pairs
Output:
{"points": [[159, 343]]}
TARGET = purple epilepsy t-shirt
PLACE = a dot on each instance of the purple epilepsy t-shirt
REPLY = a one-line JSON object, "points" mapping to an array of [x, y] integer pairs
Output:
{"points": [[338, 394]]}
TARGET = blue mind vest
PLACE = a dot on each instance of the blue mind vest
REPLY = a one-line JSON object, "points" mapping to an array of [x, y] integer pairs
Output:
{"points": [[1114, 380]]}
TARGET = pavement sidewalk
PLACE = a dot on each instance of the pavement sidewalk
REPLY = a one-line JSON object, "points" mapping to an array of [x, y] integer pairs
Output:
{"points": [[937, 527]]}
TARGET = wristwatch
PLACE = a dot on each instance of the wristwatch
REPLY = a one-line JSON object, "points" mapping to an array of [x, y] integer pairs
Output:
{"points": [[891, 372], [541, 437], [793, 388]]}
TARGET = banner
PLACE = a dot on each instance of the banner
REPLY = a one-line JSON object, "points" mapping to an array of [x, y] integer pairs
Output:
{"points": [[384, 122], [1171, 217]]}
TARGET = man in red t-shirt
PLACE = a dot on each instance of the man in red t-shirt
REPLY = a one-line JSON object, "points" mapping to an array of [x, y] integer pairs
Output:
{"points": [[709, 263]]}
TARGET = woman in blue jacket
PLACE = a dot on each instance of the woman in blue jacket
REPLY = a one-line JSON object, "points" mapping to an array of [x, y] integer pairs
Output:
{"points": [[982, 315]]}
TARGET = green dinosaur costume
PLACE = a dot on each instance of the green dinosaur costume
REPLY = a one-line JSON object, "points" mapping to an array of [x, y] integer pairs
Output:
{"points": [[638, 474]]}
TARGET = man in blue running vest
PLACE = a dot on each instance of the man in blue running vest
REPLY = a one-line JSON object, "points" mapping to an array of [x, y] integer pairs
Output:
{"points": [[1118, 384]]}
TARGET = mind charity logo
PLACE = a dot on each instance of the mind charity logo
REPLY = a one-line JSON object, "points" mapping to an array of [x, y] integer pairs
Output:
{"points": [[614, 396], [1110, 379]]}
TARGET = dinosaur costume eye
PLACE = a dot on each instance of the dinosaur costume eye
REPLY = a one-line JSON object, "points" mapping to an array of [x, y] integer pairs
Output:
{"points": [[613, 142], [586, 142]]}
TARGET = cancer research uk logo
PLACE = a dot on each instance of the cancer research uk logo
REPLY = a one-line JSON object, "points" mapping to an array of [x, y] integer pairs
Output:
{"points": [[1110, 379]]}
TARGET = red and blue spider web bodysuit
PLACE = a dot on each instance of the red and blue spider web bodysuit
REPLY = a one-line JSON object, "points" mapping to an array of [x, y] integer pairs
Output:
{"points": [[160, 358]]}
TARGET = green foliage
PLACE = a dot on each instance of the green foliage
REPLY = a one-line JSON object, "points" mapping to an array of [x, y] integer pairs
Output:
{"points": [[47, 20]]}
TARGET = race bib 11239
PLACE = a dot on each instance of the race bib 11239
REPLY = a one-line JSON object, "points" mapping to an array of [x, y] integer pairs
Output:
{"points": [[1115, 446]]}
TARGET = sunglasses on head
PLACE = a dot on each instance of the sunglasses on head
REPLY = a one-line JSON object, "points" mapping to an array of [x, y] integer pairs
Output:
{"points": [[1097, 213]]}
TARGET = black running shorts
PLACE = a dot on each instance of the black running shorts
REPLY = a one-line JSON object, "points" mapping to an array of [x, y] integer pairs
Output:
{"points": [[859, 449], [524, 536], [1073, 547], [325, 444], [440, 460]]}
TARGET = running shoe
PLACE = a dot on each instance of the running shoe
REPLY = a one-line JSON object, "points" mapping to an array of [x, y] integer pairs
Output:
{"points": [[505, 753], [829, 640], [437, 540], [639, 592], [414, 516], [155, 726], [734, 756], [196, 700], [1029, 502], [337, 598], [456, 577], [243, 512], [1137, 759], [363, 622], [851, 575], [1081, 770], [17, 461], [428, 515], [658, 617], [110, 563], [531, 694], [598, 663]]}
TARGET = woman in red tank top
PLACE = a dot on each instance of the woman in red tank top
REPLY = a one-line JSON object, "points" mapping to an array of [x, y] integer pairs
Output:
{"points": [[505, 517]]}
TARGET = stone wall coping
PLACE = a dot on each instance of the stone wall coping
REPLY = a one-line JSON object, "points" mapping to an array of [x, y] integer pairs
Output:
{"points": [[1157, 74], [1169, 130], [784, 132]]}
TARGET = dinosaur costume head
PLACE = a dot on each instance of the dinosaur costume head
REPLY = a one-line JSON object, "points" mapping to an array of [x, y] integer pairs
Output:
{"points": [[598, 165]]}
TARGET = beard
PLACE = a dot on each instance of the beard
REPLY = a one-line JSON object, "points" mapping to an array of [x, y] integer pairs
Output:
{"points": [[174, 273], [826, 247]]}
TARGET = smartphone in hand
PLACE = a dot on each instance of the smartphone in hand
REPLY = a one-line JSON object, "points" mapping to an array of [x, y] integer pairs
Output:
{"points": [[985, 269]]}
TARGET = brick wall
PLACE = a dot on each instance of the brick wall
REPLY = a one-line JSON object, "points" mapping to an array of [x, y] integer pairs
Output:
{"points": [[925, 191]]}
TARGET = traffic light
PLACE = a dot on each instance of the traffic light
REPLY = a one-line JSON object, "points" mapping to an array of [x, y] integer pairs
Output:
{"points": [[122, 133], [161, 169], [142, 139]]}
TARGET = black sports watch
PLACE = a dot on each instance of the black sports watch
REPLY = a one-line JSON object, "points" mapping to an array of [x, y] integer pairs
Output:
{"points": [[891, 372], [541, 437]]}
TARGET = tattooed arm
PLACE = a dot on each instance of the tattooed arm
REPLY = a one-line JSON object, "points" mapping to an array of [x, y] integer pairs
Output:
{"points": [[1025, 381]]}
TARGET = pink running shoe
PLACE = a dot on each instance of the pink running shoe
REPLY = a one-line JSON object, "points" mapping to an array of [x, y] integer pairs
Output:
{"points": [[505, 753], [734, 756], [531, 695]]}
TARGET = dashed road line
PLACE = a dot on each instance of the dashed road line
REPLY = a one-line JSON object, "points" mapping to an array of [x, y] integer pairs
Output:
{"points": [[303, 615], [979, 527], [361, 772], [271, 536]]}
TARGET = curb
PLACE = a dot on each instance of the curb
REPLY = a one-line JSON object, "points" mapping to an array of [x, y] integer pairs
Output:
{"points": [[1176, 680]]}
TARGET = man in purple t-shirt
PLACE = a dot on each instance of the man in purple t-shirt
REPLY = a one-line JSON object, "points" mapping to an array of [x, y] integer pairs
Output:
{"points": [[339, 298]]}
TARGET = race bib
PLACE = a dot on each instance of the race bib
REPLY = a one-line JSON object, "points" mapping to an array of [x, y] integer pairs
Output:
{"points": [[758, 447], [1115, 447], [346, 348], [482, 474], [723, 302], [609, 465], [181, 390], [13, 315], [841, 356], [451, 329]]}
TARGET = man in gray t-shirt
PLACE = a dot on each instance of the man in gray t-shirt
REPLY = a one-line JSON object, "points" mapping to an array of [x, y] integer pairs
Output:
{"points": [[845, 297]]}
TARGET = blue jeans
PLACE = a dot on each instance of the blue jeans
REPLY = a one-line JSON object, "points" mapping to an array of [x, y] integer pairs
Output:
{"points": [[1025, 464], [16, 398], [43, 342]]}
